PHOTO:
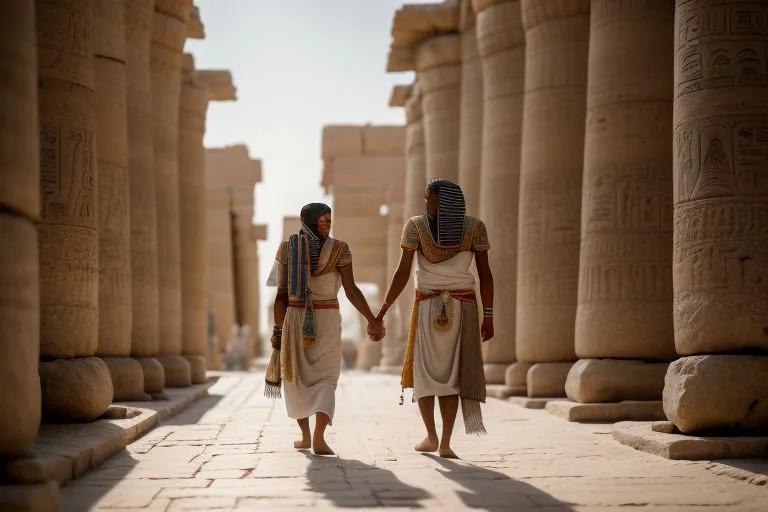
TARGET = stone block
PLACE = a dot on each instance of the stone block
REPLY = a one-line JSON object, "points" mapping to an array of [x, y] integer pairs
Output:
{"points": [[443, 50], [641, 436], [717, 392], [547, 379], [219, 84], [533, 403], [516, 375], [154, 375], [30, 498], [75, 390], [613, 380], [495, 373], [607, 412], [384, 140], [127, 379], [342, 140], [178, 371], [502, 392]]}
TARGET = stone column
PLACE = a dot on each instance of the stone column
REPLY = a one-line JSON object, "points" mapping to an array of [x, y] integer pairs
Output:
{"points": [[169, 30], [720, 263], [221, 295], [501, 43], [551, 165], [115, 316], [145, 324], [624, 315], [75, 386], [246, 271], [192, 202], [19, 210], [438, 62], [415, 156], [471, 116]]}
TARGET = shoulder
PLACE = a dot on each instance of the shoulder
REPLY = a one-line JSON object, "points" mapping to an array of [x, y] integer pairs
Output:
{"points": [[411, 239], [282, 253], [477, 232], [341, 255]]}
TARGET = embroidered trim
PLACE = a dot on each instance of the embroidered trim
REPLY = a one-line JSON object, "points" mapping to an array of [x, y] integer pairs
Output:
{"points": [[416, 235]]}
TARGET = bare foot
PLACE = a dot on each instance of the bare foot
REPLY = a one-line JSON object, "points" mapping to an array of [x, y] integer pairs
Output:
{"points": [[427, 445], [320, 447], [447, 453], [305, 443]]}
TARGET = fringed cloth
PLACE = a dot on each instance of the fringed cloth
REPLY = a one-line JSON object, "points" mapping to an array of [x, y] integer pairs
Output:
{"points": [[282, 363], [471, 375]]}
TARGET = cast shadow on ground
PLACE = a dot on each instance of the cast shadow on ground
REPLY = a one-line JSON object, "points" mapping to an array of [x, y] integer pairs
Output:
{"points": [[350, 483], [494, 491]]}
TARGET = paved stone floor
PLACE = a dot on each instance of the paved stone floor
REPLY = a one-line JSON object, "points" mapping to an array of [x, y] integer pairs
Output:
{"points": [[233, 451]]}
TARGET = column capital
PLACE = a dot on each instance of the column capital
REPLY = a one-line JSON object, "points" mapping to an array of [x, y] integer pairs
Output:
{"points": [[195, 27], [481, 5], [442, 50], [259, 232], [218, 83], [414, 23], [399, 95], [179, 9], [536, 12], [500, 28], [467, 17]]}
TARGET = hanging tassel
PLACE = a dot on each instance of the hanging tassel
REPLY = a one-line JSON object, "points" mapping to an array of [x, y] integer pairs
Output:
{"points": [[273, 378]]}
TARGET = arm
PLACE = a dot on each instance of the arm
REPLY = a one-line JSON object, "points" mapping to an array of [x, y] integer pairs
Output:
{"points": [[399, 280], [354, 294], [486, 291]]}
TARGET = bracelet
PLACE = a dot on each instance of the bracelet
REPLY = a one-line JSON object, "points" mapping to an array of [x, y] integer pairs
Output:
{"points": [[277, 329], [488, 312], [383, 310]]}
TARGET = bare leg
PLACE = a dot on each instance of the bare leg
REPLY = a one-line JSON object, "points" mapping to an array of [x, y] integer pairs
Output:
{"points": [[305, 443], [449, 405], [427, 410], [320, 447]]}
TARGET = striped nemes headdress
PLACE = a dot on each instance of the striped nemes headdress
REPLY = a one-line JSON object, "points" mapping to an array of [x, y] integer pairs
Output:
{"points": [[309, 217], [451, 210]]}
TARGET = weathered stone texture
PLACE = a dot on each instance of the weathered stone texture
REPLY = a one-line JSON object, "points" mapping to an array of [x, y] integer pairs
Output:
{"points": [[720, 263], [439, 68], [614, 380], [557, 41], [547, 379], [127, 379], [501, 44], [625, 278], [192, 193], [75, 390], [20, 201], [717, 392], [415, 157], [471, 111]]}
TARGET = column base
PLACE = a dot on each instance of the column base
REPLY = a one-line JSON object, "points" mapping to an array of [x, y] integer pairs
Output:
{"points": [[718, 393], [75, 390], [516, 378], [127, 379], [34, 497], [607, 412], [593, 381], [388, 369], [368, 355], [494, 373], [534, 403], [547, 379], [178, 372], [198, 365], [154, 375], [349, 353], [664, 440]]}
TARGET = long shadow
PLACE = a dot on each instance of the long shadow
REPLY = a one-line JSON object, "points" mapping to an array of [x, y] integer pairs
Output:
{"points": [[350, 483], [494, 491]]}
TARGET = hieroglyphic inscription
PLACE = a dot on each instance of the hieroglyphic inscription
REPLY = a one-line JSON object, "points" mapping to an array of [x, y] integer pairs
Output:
{"points": [[66, 175], [721, 157], [722, 244], [722, 45]]}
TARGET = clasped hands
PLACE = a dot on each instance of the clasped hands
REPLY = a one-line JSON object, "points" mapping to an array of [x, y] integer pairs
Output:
{"points": [[376, 330]]}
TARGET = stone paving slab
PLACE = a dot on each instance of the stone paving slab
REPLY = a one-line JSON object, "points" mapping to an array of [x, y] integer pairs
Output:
{"points": [[607, 413], [233, 451], [533, 403], [66, 451], [643, 437]]}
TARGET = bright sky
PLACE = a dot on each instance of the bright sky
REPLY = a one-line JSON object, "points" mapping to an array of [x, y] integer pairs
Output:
{"points": [[298, 65]]}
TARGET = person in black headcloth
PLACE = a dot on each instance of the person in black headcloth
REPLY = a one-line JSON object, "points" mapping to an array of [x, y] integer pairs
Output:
{"points": [[310, 269], [443, 356]]}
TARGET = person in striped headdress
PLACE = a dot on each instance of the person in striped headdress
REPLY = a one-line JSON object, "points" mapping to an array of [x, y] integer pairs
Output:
{"points": [[310, 269], [443, 357]]}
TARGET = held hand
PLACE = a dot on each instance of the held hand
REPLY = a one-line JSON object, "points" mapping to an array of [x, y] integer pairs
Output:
{"points": [[376, 330], [487, 328], [276, 341]]}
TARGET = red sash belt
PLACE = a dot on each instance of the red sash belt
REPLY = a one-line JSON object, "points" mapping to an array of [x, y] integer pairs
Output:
{"points": [[316, 305], [460, 295]]}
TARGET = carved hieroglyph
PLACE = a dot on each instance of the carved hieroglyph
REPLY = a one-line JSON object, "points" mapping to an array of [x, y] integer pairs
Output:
{"points": [[471, 111], [20, 201], [720, 262], [194, 248], [557, 38], [438, 62], [145, 341], [67, 230], [169, 31], [501, 43]]}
